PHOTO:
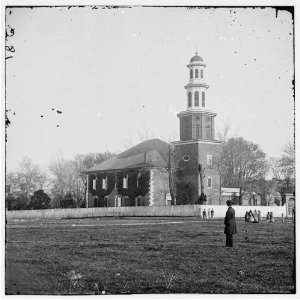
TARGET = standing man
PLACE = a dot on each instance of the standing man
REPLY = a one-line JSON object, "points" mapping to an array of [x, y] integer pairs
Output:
{"points": [[230, 224], [259, 216]]}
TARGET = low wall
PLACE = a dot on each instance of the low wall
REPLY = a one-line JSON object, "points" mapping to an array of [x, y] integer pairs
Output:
{"points": [[140, 211]]}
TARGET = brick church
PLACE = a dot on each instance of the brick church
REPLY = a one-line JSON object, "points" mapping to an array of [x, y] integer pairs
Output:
{"points": [[154, 172]]}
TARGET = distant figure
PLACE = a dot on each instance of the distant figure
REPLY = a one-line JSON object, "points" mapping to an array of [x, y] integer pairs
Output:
{"points": [[268, 217], [282, 218], [246, 216], [208, 213], [255, 216], [204, 214], [212, 213], [230, 224], [271, 217], [251, 217], [259, 216]]}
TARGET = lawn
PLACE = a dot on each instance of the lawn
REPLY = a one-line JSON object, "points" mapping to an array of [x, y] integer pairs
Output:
{"points": [[147, 255]]}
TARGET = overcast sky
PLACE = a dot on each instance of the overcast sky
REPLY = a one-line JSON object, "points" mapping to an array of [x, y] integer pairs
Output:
{"points": [[118, 76]]}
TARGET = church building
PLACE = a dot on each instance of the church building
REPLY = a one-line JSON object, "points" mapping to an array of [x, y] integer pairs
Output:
{"points": [[155, 173]]}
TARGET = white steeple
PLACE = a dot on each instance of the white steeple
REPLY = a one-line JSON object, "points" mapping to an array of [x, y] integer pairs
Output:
{"points": [[196, 87]]}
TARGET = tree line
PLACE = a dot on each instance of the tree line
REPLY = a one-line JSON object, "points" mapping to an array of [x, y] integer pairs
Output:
{"points": [[63, 185], [244, 165]]}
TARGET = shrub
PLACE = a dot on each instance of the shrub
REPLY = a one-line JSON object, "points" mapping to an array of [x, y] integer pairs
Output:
{"points": [[39, 200], [68, 201], [16, 203]]}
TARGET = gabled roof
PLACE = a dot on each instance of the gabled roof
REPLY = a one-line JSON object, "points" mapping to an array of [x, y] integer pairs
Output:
{"points": [[150, 153]]}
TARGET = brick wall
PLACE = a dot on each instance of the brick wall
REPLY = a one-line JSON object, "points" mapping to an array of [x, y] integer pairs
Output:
{"points": [[213, 193], [187, 158], [159, 186], [138, 186]]}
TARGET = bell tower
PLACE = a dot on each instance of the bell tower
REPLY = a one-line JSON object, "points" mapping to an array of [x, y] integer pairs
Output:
{"points": [[196, 122], [196, 152]]}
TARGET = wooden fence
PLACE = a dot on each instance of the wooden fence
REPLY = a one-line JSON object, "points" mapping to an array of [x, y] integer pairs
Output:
{"points": [[140, 211]]}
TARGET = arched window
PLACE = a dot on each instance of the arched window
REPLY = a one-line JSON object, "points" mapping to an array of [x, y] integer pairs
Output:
{"points": [[201, 73], [191, 74], [189, 99], [196, 73], [196, 98], [203, 99]]}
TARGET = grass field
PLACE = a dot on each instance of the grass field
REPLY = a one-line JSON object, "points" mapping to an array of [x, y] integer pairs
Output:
{"points": [[147, 255]]}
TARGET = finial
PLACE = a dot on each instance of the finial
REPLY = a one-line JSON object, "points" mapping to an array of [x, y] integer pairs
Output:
{"points": [[196, 53]]}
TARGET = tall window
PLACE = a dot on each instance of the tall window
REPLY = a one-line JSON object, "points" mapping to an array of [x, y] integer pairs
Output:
{"points": [[203, 99], [196, 98], [201, 73], [191, 74], [196, 73], [104, 183], [209, 160], [138, 178], [94, 183], [208, 127], [125, 182], [189, 99], [197, 131], [209, 182]]}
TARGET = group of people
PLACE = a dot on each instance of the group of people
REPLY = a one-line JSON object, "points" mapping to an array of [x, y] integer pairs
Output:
{"points": [[255, 216], [209, 215], [270, 217]]}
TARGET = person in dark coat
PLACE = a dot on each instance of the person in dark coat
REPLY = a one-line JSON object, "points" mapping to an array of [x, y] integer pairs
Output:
{"points": [[230, 224], [246, 216]]}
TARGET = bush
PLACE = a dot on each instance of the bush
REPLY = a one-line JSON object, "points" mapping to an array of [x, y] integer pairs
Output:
{"points": [[202, 199], [39, 200], [68, 201], [16, 203]]}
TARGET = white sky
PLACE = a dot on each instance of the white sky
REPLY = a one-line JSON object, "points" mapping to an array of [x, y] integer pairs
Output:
{"points": [[120, 73]]}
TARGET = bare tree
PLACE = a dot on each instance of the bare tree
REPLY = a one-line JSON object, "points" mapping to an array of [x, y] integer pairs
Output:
{"points": [[223, 134], [145, 134], [240, 162], [172, 174], [283, 169], [69, 178], [28, 178], [275, 168]]}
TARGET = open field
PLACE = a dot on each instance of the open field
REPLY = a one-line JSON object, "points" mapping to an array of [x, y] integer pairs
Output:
{"points": [[147, 255]]}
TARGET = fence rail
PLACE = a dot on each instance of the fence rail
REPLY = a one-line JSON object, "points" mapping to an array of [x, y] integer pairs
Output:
{"points": [[141, 211]]}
